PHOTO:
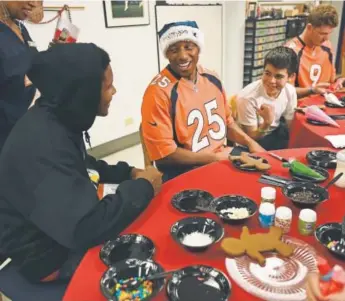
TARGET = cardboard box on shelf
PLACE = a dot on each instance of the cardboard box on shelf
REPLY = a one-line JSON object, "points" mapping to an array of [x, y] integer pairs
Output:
{"points": [[291, 12], [300, 8]]}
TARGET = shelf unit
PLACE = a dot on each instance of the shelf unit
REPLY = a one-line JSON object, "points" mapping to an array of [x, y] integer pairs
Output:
{"points": [[261, 35]]}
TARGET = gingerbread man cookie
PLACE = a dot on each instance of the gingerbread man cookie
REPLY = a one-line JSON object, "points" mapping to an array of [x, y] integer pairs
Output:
{"points": [[254, 244], [248, 161]]}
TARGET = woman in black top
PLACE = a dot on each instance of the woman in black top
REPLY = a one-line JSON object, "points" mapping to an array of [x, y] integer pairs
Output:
{"points": [[16, 49]]}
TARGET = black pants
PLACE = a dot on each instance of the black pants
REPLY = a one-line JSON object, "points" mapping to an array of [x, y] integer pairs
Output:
{"points": [[170, 172], [278, 139]]}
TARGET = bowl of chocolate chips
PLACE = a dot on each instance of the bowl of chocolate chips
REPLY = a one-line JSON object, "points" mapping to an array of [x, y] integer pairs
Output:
{"points": [[305, 194]]}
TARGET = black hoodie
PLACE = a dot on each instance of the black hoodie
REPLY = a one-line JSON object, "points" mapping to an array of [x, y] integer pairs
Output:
{"points": [[48, 205]]}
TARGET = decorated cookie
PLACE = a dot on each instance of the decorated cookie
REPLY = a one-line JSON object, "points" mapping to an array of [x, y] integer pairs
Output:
{"points": [[254, 244]]}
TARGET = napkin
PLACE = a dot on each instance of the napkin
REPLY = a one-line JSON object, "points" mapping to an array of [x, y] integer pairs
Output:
{"points": [[338, 141]]}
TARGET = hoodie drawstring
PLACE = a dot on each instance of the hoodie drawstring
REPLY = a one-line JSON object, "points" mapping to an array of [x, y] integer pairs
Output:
{"points": [[87, 138]]}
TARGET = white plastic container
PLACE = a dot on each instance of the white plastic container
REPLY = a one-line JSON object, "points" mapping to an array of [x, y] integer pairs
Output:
{"points": [[266, 214], [268, 194], [340, 168], [307, 222], [283, 218]]}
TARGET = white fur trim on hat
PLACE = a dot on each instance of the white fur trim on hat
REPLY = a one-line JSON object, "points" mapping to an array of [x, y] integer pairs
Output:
{"points": [[181, 33]]}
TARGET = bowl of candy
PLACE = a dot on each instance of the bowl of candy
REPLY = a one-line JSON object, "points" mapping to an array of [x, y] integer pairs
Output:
{"points": [[125, 281], [305, 194], [329, 235], [234, 209], [196, 234]]}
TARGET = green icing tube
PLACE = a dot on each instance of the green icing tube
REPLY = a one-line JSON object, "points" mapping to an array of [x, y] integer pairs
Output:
{"points": [[300, 168]]}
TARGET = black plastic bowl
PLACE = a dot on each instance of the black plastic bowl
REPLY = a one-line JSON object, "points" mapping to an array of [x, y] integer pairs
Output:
{"points": [[127, 246], [322, 158], [199, 283], [196, 224], [319, 194], [327, 233], [126, 269], [188, 200], [316, 122], [236, 201]]}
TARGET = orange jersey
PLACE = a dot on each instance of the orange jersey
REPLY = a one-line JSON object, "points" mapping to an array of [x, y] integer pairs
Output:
{"points": [[179, 113], [315, 64]]}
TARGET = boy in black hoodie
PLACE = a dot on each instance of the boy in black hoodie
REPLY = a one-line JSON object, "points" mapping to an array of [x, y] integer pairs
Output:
{"points": [[49, 210]]}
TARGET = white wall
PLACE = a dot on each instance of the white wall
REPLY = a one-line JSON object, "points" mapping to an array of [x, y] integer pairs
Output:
{"points": [[134, 61], [234, 31], [212, 55]]}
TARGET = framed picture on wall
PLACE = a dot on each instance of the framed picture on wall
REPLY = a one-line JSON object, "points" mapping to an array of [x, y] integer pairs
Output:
{"points": [[120, 13]]}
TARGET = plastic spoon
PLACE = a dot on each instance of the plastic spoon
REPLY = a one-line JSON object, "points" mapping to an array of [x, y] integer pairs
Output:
{"points": [[334, 180], [134, 284]]}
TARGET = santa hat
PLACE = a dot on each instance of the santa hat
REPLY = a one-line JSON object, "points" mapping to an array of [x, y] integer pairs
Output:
{"points": [[180, 31]]}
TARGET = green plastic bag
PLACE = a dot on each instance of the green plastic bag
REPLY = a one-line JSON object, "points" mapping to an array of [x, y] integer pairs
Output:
{"points": [[301, 169]]}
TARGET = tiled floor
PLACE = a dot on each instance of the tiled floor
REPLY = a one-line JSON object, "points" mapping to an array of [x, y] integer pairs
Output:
{"points": [[133, 156]]}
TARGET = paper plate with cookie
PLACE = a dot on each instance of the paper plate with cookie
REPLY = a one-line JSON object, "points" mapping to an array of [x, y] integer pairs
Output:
{"points": [[269, 265], [247, 162]]}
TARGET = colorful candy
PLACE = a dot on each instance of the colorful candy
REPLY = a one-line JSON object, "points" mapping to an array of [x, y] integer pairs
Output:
{"points": [[143, 291], [332, 244]]}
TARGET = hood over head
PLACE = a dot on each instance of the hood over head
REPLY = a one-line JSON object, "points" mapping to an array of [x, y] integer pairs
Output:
{"points": [[69, 77]]}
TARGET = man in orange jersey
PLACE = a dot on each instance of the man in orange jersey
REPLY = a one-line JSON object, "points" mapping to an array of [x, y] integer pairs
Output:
{"points": [[185, 116], [316, 71]]}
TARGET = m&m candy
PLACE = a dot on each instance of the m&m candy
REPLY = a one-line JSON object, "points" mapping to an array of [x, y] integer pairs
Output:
{"points": [[123, 293]]}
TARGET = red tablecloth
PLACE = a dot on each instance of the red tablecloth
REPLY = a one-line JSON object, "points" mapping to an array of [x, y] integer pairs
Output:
{"points": [[304, 134], [155, 222]]}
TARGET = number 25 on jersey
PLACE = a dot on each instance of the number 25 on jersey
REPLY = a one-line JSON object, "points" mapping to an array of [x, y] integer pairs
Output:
{"points": [[198, 143], [161, 81]]}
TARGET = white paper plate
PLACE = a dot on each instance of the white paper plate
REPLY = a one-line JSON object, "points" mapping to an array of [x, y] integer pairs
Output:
{"points": [[282, 279]]}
